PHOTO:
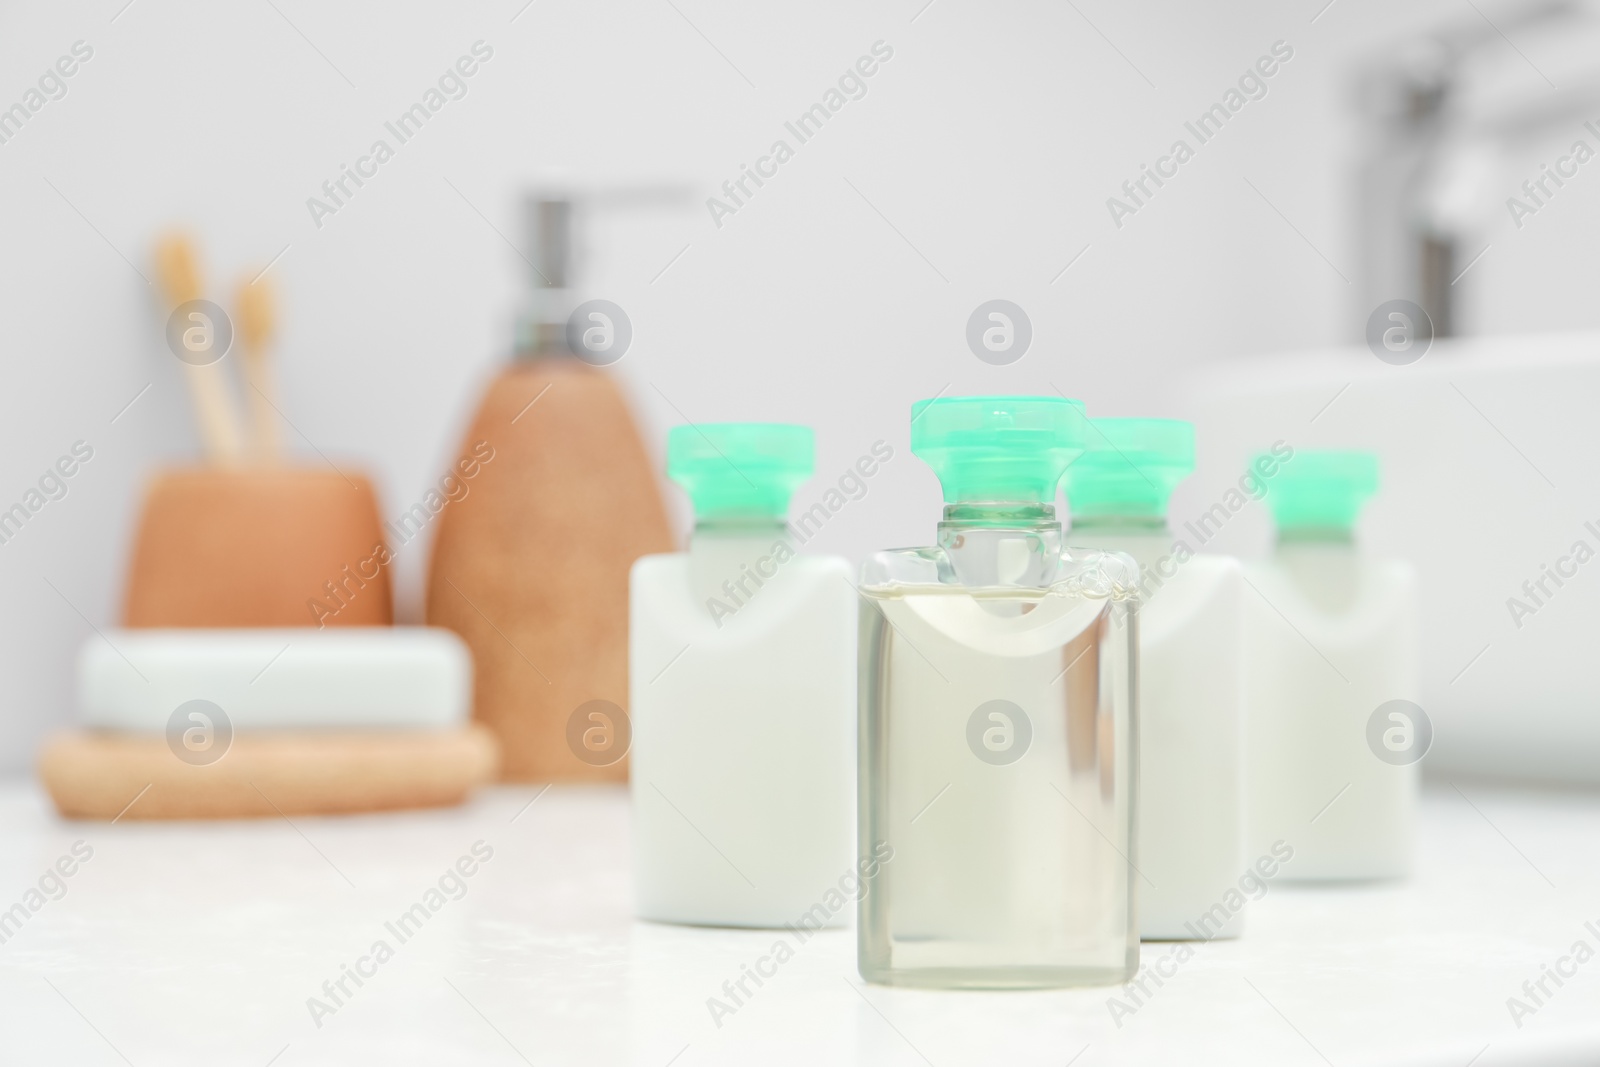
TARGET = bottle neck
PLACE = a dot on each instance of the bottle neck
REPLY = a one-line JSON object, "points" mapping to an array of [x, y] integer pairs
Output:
{"points": [[1316, 535], [723, 527], [1001, 543], [1324, 563], [1016, 515], [731, 557], [1129, 525], [1145, 537]]}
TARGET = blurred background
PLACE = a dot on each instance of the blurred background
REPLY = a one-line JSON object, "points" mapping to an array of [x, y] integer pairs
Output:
{"points": [[978, 165]]}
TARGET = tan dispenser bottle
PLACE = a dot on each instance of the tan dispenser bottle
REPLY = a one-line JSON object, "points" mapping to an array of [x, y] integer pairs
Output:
{"points": [[531, 566]]}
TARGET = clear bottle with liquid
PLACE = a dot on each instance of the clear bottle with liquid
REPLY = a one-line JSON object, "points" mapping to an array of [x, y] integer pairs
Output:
{"points": [[1191, 698], [997, 723], [1334, 733], [742, 674]]}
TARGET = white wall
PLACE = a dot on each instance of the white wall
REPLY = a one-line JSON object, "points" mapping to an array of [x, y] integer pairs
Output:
{"points": [[990, 141]]}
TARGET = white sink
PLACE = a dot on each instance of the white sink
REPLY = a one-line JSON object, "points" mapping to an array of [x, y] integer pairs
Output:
{"points": [[1490, 453]]}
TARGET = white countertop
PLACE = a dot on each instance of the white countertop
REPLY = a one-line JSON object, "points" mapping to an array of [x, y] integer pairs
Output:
{"points": [[201, 943]]}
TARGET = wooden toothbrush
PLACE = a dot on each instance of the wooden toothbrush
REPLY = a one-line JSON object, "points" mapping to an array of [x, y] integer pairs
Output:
{"points": [[256, 312], [219, 428]]}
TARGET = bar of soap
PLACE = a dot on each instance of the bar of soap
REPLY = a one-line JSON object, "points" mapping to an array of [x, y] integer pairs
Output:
{"points": [[340, 678]]}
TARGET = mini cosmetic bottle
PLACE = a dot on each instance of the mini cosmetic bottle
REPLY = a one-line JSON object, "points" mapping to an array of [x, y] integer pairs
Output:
{"points": [[742, 677], [997, 731], [1191, 709], [1333, 730]]}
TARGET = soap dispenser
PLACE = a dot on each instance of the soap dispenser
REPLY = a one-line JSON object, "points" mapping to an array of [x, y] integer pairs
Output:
{"points": [[743, 675], [1191, 699], [530, 567], [997, 725], [1334, 733]]}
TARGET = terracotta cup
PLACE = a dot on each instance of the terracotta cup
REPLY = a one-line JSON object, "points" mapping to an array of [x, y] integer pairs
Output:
{"points": [[258, 546]]}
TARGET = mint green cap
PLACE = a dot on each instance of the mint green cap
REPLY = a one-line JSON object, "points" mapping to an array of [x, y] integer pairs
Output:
{"points": [[998, 448], [740, 469], [1131, 467], [1319, 488]]}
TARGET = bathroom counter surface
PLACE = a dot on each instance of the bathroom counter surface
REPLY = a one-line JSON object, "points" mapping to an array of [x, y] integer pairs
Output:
{"points": [[206, 944]]}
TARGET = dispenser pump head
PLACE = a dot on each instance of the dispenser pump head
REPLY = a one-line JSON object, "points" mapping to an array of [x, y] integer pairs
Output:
{"points": [[547, 229], [1010, 449], [1131, 468], [555, 254], [1320, 489], [550, 238], [740, 471]]}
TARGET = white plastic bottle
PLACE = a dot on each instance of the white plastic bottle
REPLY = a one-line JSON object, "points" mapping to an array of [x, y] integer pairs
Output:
{"points": [[1334, 732], [742, 667], [1190, 833]]}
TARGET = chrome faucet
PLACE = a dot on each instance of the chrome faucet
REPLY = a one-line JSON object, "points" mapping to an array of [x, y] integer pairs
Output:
{"points": [[1423, 184]]}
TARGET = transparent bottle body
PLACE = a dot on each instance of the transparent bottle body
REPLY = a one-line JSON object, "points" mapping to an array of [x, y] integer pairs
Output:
{"points": [[997, 762]]}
